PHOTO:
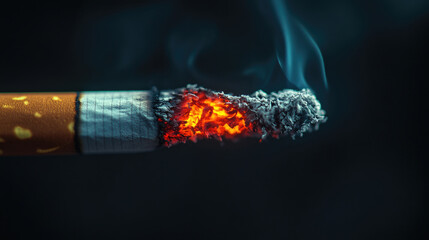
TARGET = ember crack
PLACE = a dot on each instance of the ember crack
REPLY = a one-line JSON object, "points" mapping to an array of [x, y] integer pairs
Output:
{"points": [[194, 113]]}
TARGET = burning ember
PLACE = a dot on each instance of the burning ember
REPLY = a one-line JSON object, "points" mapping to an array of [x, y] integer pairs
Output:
{"points": [[203, 115], [194, 113]]}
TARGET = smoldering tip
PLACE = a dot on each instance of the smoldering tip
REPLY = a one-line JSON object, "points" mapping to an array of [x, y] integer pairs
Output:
{"points": [[193, 113]]}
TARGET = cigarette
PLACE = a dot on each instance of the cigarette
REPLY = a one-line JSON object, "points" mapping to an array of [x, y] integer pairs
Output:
{"points": [[140, 121]]}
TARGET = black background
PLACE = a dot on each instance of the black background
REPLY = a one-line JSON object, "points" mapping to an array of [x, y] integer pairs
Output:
{"points": [[361, 176]]}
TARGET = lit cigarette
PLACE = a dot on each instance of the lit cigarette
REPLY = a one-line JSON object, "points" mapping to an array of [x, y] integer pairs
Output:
{"points": [[139, 121]]}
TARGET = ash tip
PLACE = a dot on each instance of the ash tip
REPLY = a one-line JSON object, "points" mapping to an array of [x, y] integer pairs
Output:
{"points": [[286, 112]]}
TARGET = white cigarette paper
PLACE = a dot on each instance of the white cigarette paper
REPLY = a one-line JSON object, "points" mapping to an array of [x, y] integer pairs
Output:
{"points": [[116, 122]]}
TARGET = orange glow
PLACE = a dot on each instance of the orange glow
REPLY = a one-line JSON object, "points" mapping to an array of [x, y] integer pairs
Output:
{"points": [[201, 116]]}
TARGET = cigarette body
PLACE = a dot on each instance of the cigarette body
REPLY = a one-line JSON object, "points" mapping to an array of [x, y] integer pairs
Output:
{"points": [[139, 121], [86, 122]]}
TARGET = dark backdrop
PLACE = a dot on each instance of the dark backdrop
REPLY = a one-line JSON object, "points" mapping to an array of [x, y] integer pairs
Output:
{"points": [[361, 176]]}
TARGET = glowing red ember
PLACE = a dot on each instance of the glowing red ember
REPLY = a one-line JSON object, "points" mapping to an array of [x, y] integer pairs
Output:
{"points": [[201, 115]]}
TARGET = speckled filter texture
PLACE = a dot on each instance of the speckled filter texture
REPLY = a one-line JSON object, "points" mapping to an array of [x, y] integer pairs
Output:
{"points": [[37, 123]]}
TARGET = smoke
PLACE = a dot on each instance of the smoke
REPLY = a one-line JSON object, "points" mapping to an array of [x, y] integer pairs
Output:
{"points": [[186, 43], [235, 46], [295, 48]]}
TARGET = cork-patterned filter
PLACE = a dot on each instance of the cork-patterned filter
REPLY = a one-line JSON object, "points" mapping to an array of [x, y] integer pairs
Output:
{"points": [[37, 123]]}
